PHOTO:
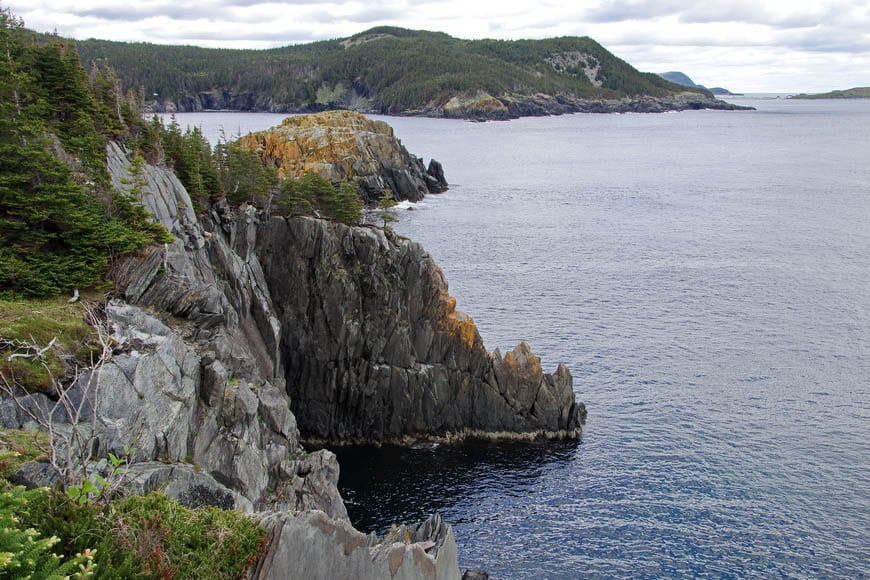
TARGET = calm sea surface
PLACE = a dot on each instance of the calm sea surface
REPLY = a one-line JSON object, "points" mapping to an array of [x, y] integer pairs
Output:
{"points": [[706, 277]]}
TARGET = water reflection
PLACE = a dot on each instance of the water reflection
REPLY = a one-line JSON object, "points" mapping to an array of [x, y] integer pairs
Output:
{"points": [[382, 485]]}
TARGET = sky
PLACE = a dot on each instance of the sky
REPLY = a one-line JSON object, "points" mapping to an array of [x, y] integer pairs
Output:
{"points": [[743, 45]]}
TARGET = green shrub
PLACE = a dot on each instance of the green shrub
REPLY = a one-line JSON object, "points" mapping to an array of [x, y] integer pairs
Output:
{"points": [[25, 553], [151, 536], [199, 543], [313, 194]]}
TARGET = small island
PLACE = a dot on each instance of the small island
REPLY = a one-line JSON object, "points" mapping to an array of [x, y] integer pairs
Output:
{"points": [[853, 93]]}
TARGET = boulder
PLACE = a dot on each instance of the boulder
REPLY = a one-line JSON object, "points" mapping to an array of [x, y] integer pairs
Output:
{"points": [[35, 474], [435, 177], [184, 484]]}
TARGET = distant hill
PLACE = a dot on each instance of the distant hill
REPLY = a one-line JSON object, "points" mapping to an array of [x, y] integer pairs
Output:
{"points": [[854, 93], [683, 79], [679, 78], [393, 70]]}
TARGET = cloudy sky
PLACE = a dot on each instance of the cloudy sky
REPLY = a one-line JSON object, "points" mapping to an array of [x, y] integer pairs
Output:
{"points": [[743, 45]]}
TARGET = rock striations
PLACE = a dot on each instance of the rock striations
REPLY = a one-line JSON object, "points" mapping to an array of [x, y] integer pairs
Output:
{"points": [[341, 145], [248, 329], [374, 349]]}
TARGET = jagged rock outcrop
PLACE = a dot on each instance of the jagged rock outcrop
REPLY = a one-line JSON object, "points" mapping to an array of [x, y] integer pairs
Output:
{"points": [[341, 145], [314, 546], [358, 327], [375, 350], [218, 348], [219, 318]]}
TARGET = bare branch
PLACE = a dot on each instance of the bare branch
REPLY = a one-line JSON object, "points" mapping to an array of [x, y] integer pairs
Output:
{"points": [[72, 445]]}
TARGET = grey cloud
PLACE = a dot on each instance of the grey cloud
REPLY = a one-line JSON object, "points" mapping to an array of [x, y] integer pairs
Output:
{"points": [[747, 14], [374, 14], [281, 37], [622, 10], [828, 39], [182, 10], [822, 40]]}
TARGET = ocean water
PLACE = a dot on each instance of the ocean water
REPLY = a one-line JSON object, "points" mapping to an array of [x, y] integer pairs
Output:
{"points": [[706, 277]]}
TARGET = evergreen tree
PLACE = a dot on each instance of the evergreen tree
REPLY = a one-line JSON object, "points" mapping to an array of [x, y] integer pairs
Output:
{"points": [[315, 195], [244, 177], [190, 155], [55, 232], [345, 205], [388, 201]]}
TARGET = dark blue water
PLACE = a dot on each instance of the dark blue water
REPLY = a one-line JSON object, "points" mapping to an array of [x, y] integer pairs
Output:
{"points": [[706, 277]]}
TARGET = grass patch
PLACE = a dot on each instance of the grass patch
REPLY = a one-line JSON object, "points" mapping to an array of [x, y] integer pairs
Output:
{"points": [[38, 321], [19, 447]]}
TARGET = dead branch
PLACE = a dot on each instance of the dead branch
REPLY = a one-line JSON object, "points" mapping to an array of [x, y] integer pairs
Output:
{"points": [[72, 449]]}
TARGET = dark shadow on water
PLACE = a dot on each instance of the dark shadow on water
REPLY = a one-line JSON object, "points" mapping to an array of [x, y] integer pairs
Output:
{"points": [[383, 485]]}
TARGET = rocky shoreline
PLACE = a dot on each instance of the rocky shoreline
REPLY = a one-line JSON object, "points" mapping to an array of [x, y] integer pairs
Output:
{"points": [[477, 107]]}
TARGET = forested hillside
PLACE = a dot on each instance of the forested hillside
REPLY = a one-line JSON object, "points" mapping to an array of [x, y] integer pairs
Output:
{"points": [[385, 70]]}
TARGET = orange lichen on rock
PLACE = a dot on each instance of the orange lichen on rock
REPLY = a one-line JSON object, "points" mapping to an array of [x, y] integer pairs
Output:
{"points": [[336, 144], [453, 321], [522, 356]]}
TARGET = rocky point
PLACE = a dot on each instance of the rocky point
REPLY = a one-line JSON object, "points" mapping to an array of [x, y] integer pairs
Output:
{"points": [[344, 145]]}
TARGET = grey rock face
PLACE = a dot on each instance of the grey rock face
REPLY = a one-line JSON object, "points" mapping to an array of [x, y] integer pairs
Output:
{"points": [[13, 417], [182, 483], [316, 547], [313, 485], [206, 386], [375, 350], [35, 474]]}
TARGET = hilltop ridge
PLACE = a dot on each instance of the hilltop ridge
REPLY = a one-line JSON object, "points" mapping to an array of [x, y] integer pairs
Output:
{"points": [[396, 71]]}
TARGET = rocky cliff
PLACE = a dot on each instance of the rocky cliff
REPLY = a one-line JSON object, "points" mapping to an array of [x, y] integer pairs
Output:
{"points": [[375, 350], [342, 145], [248, 328], [473, 106]]}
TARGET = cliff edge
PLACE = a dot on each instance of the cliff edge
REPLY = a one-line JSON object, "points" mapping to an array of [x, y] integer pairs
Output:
{"points": [[374, 349], [249, 331]]}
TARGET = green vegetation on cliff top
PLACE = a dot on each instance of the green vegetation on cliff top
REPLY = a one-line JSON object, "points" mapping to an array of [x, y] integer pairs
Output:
{"points": [[854, 93], [394, 69], [61, 221]]}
